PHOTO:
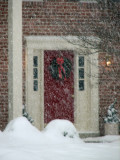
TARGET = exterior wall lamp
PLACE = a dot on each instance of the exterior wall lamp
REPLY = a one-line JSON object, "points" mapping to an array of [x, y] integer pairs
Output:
{"points": [[108, 61]]}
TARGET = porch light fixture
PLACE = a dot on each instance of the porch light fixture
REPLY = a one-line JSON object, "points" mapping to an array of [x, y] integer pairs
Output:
{"points": [[108, 61]]}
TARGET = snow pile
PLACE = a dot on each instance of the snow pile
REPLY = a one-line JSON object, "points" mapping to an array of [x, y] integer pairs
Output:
{"points": [[56, 131], [22, 141], [22, 128], [61, 127]]}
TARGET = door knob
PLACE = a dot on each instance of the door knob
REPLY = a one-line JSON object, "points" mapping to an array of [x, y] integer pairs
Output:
{"points": [[72, 96]]}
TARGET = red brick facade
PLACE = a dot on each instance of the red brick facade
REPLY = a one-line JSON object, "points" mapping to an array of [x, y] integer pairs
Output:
{"points": [[3, 64], [51, 17], [109, 86]]}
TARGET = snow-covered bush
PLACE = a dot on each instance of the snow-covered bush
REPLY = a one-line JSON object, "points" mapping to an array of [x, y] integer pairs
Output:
{"points": [[60, 127], [25, 114], [22, 128], [112, 114]]}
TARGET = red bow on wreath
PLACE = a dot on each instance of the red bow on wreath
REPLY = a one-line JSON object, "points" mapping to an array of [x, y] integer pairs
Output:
{"points": [[60, 62]]}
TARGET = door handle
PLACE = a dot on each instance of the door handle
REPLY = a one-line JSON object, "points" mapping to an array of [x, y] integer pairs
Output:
{"points": [[72, 96]]}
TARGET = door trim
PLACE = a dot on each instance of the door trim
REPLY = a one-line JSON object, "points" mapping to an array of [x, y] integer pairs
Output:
{"points": [[85, 122]]}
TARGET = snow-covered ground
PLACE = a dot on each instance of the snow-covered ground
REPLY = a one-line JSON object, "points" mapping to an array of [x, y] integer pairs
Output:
{"points": [[58, 141]]}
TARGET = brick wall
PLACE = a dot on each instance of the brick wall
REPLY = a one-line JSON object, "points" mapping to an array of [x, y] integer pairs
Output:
{"points": [[3, 64], [109, 86], [62, 17], [57, 18]]}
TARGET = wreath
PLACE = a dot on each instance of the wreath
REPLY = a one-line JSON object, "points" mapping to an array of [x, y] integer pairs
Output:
{"points": [[60, 68]]}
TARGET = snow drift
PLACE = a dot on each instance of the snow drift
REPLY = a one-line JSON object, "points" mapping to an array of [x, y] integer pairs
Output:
{"points": [[56, 131], [22, 141], [62, 128], [22, 128]]}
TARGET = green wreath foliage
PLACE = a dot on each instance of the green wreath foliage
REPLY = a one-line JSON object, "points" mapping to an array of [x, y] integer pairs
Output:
{"points": [[54, 69]]}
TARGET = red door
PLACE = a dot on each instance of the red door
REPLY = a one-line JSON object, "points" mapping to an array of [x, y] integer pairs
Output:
{"points": [[58, 85]]}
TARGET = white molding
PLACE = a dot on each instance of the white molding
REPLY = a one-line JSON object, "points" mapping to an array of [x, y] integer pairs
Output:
{"points": [[58, 42], [15, 58], [85, 103]]}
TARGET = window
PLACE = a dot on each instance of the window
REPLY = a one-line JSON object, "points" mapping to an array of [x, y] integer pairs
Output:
{"points": [[116, 0], [73, 0], [35, 73], [81, 73]]}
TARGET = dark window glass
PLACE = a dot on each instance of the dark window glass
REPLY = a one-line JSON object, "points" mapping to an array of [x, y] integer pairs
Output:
{"points": [[35, 73], [116, 0], [81, 61], [35, 61], [35, 86], [81, 73], [81, 85], [73, 0]]}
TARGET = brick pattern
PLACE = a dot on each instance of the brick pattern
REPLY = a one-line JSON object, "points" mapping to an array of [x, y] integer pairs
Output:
{"points": [[3, 64], [57, 18], [109, 86], [61, 17]]}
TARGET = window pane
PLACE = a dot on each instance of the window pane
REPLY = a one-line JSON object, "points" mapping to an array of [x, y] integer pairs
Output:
{"points": [[81, 85], [73, 0], [35, 61], [116, 0], [81, 61], [35, 86], [35, 73], [81, 73]]}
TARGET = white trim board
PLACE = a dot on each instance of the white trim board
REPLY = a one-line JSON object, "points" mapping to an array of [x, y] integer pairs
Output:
{"points": [[86, 103]]}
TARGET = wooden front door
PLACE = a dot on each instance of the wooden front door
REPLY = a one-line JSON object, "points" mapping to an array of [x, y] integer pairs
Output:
{"points": [[58, 85]]}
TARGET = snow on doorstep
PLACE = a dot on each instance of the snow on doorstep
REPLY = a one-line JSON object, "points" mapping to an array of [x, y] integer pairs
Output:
{"points": [[104, 139], [22, 141]]}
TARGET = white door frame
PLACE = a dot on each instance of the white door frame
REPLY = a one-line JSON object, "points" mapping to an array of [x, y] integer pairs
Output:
{"points": [[86, 103]]}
